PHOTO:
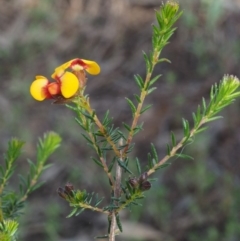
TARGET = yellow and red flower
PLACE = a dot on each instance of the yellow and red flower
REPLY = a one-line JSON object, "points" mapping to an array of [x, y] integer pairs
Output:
{"points": [[80, 65], [65, 84]]}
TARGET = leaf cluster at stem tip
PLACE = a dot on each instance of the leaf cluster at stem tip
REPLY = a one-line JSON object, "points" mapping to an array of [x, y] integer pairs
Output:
{"points": [[221, 95]]}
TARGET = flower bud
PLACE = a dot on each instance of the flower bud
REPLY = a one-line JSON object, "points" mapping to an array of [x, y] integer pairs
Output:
{"points": [[61, 193], [143, 177], [68, 189], [145, 186], [133, 182]]}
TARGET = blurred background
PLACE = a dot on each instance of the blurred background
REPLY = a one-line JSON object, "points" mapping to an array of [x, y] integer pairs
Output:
{"points": [[191, 200]]}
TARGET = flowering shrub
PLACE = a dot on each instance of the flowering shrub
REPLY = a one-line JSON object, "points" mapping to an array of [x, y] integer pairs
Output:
{"points": [[113, 145]]}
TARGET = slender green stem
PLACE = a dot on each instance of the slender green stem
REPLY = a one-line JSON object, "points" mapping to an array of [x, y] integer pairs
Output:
{"points": [[140, 104], [177, 147], [6, 175], [1, 212], [33, 181], [86, 105], [103, 161], [4, 182], [133, 197], [87, 206]]}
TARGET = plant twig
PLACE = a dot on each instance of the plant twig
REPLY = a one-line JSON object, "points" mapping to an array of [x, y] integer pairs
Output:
{"points": [[87, 206], [140, 104], [94, 143], [33, 182], [86, 105], [117, 194]]}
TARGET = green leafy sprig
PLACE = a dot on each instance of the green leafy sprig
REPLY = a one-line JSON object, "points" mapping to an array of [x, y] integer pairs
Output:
{"points": [[221, 96], [162, 31], [12, 203], [13, 152], [46, 146], [80, 200], [8, 230]]}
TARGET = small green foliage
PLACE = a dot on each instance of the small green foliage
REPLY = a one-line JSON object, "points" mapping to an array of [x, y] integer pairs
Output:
{"points": [[145, 109], [124, 166], [13, 152], [139, 81], [133, 108], [47, 145], [138, 166], [154, 80], [221, 95], [8, 230], [119, 223], [12, 206], [12, 203], [166, 17], [97, 162], [154, 152], [184, 156], [127, 126], [80, 200]]}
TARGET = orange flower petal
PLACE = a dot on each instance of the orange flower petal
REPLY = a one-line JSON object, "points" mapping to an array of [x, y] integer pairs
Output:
{"points": [[93, 68], [69, 84], [37, 88], [53, 88]]}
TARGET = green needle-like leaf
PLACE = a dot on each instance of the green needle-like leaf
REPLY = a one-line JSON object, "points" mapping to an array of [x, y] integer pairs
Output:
{"points": [[132, 106], [50, 142]]}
